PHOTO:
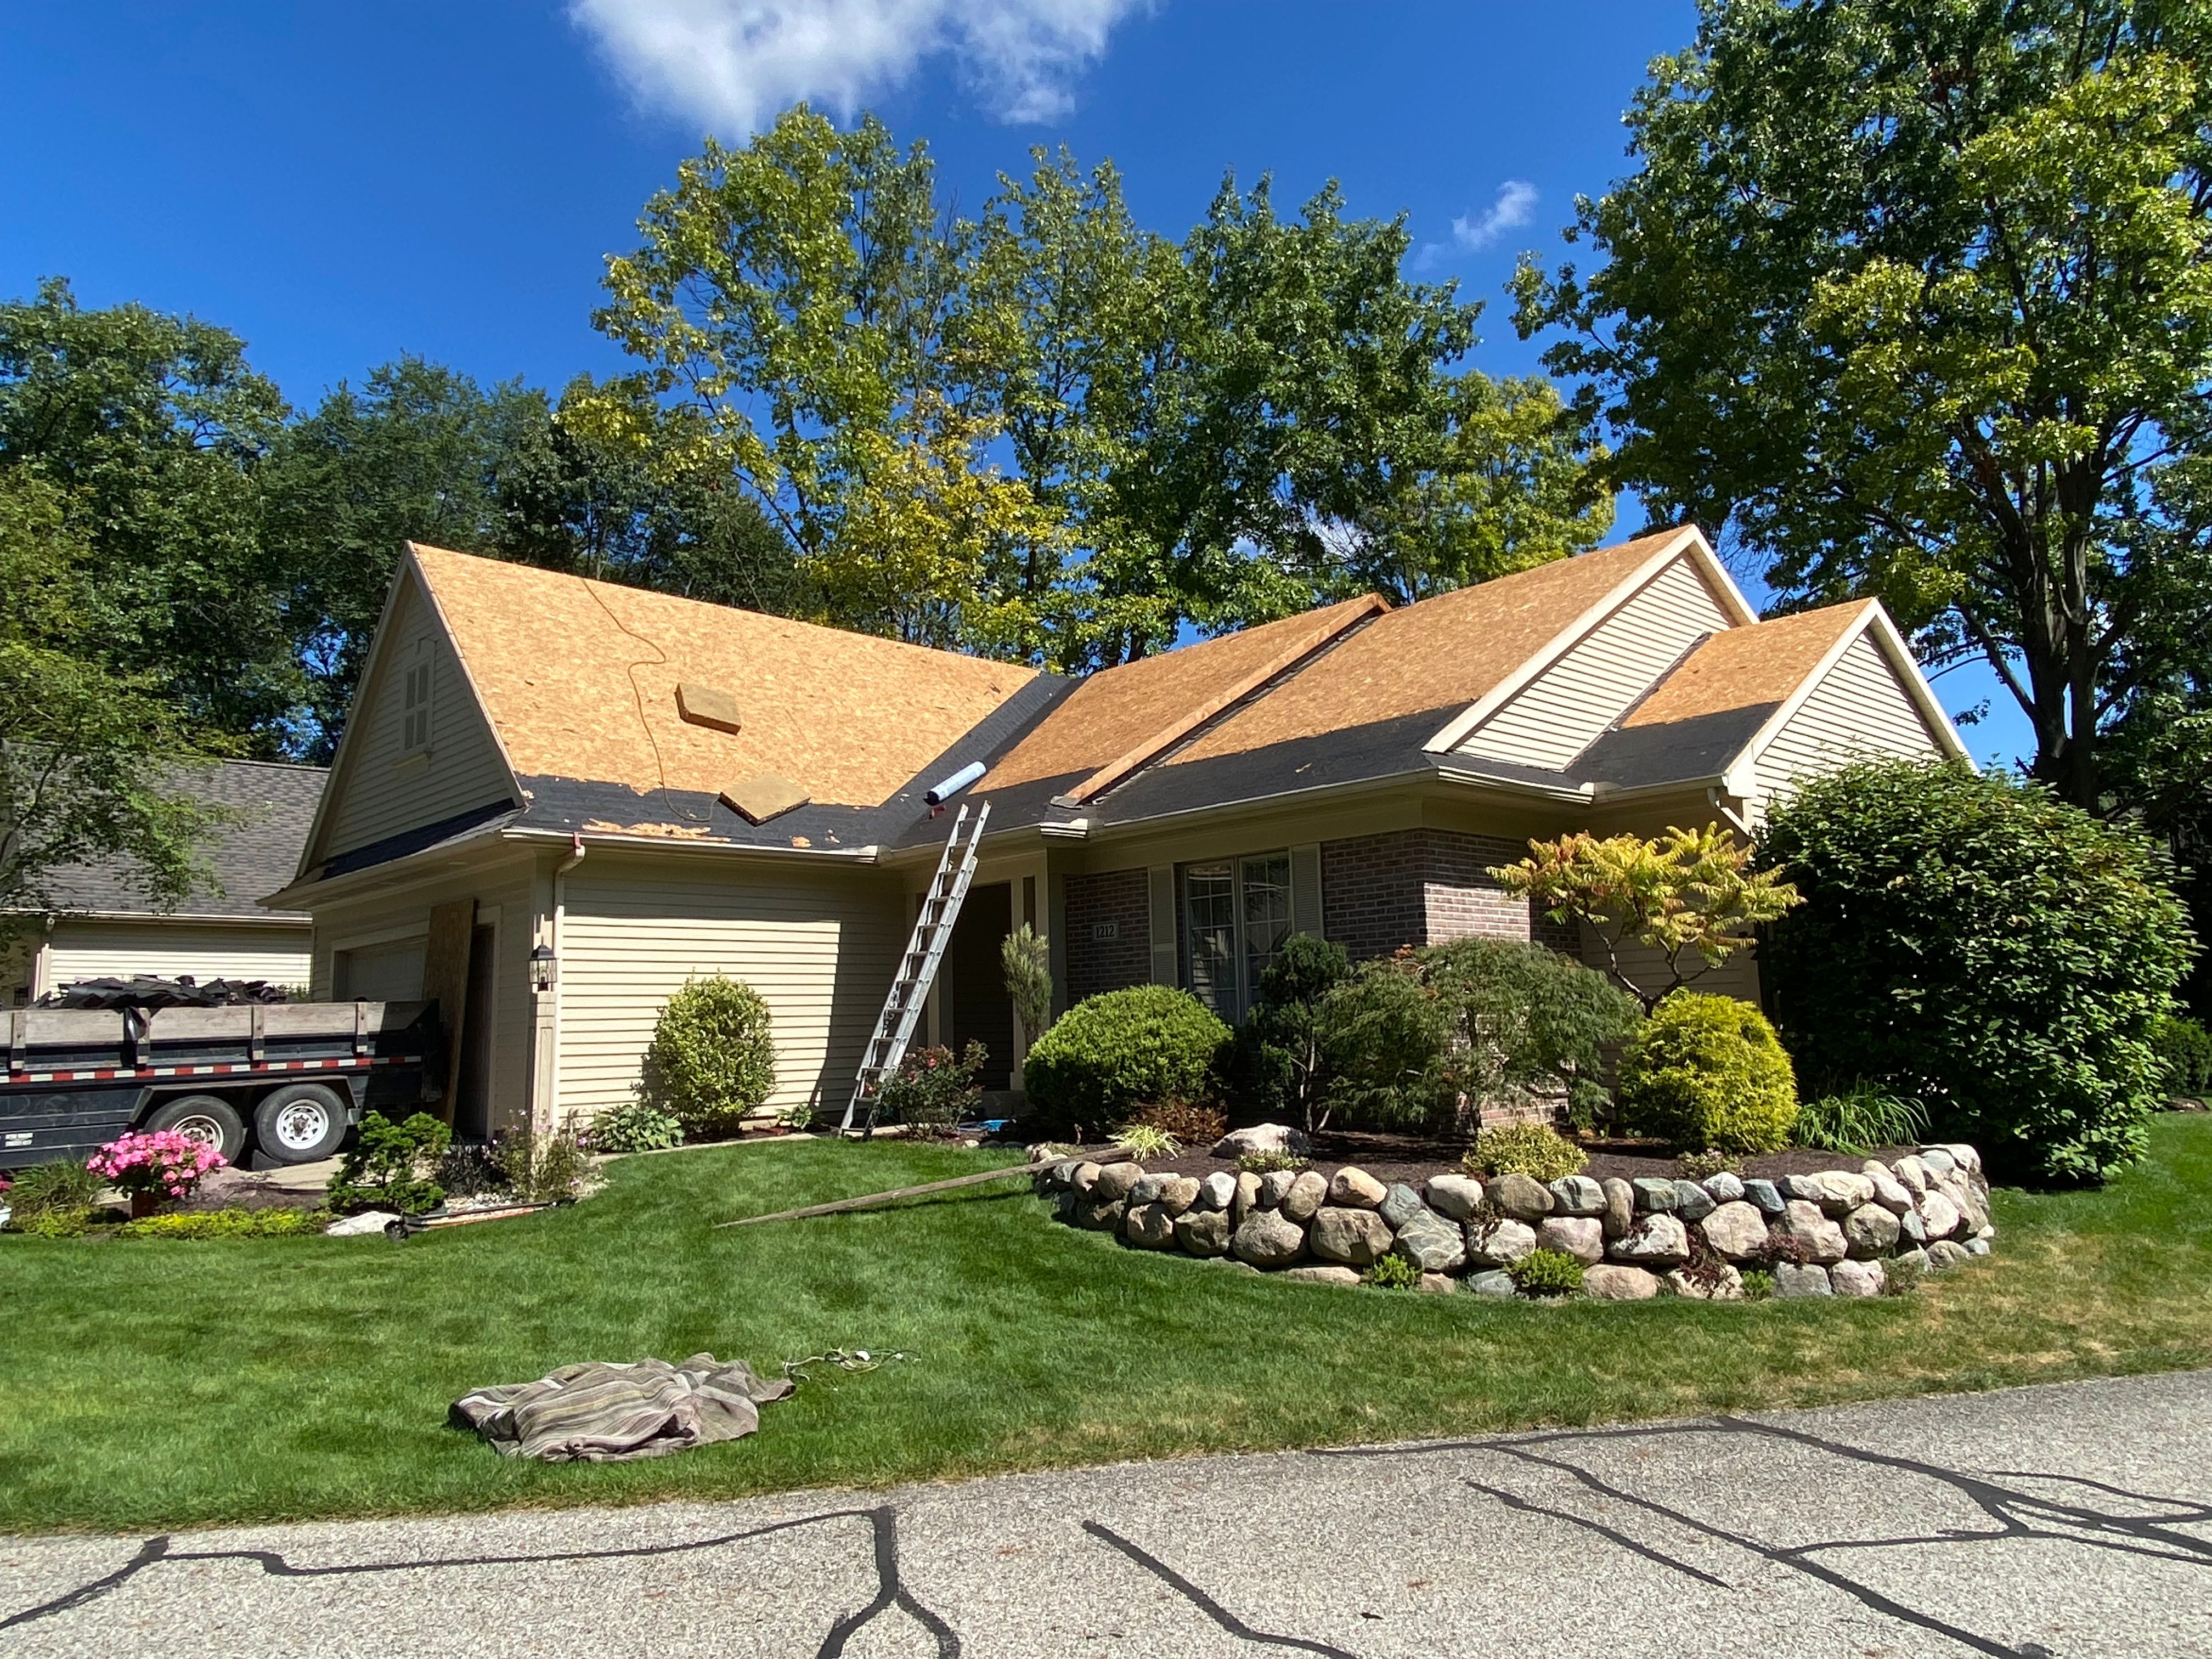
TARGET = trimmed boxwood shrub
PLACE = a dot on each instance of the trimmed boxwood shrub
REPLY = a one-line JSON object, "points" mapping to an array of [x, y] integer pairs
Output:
{"points": [[1974, 943], [1125, 1048], [2184, 1048], [712, 1060], [1707, 1072]]}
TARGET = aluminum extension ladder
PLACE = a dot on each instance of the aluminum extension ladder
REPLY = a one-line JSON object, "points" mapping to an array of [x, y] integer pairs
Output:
{"points": [[932, 930]]}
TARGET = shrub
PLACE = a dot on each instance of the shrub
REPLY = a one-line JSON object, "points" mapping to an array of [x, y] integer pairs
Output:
{"points": [[636, 1126], [1266, 1162], [1857, 1119], [1535, 1149], [159, 1163], [470, 1171], [224, 1223], [540, 1168], [391, 1166], [1280, 1065], [1025, 958], [1703, 1166], [1708, 1071], [712, 1060], [1393, 1273], [1901, 1277], [1122, 1048], [1187, 1125], [1975, 944], [1144, 1140], [1547, 1273], [933, 1091], [54, 1198], [2184, 1048], [1758, 1283]]}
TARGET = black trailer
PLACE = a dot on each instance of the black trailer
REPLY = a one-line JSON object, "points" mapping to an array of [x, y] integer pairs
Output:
{"points": [[290, 1080]]}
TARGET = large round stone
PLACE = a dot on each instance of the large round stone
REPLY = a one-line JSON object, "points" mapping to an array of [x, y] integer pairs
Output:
{"points": [[1247, 1197], [1654, 1195], [1724, 1186], [1345, 1278], [1581, 1236], [1456, 1197], [1215, 1192], [1944, 1253], [1148, 1226], [1520, 1197], [1437, 1245], [1304, 1195], [1400, 1205], [1791, 1282], [1498, 1243], [1888, 1191], [1268, 1238], [1263, 1137], [1938, 1160], [1203, 1232], [1838, 1192], [1275, 1186], [1655, 1241], [1085, 1177], [1939, 1215], [1869, 1230], [1764, 1193], [1619, 1206], [1360, 1238], [1616, 1284], [1728, 1287], [1823, 1239], [1178, 1194], [1099, 1218], [1578, 1195], [1353, 1188], [1691, 1202], [1911, 1173], [1493, 1281], [1737, 1229], [1857, 1278], [1116, 1180]]}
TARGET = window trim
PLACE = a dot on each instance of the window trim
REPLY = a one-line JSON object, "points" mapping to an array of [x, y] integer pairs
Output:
{"points": [[414, 707], [1243, 988]]}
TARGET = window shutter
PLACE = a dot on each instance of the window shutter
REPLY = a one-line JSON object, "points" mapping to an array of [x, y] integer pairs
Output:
{"points": [[1305, 889], [1161, 879]]}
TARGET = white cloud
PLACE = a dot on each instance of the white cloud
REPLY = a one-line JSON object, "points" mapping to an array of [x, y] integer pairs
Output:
{"points": [[734, 65], [1515, 206]]}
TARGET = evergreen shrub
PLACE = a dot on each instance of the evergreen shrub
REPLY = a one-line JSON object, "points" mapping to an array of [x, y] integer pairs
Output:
{"points": [[1707, 1072]]}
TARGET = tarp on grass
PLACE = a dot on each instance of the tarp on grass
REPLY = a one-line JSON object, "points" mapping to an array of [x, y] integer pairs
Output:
{"points": [[601, 1412]]}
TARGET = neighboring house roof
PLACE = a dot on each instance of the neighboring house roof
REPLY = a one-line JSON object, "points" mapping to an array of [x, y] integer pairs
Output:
{"points": [[253, 856]]}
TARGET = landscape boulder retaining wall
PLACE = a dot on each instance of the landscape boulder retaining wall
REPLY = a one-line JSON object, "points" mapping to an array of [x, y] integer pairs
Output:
{"points": [[1836, 1233]]}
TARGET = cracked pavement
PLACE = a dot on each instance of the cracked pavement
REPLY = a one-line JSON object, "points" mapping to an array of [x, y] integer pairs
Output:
{"points": [[2055, 1523]]}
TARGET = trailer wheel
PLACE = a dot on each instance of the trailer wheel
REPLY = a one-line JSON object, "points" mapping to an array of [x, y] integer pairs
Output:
{"points": [[208, 1118], [300, 1122]]}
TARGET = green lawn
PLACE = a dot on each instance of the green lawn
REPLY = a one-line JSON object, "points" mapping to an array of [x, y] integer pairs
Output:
{"points": [[152, 1385]]}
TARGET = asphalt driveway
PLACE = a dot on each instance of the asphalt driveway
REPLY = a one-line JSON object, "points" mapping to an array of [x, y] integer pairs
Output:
{"points": [[2068, 1522]]}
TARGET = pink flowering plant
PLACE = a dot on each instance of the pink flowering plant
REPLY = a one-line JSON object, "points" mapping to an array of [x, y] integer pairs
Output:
{"points": [[159, 1163]]}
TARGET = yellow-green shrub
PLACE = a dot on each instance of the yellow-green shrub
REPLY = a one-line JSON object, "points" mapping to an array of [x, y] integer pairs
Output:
{"points": [[1708, 1072]]}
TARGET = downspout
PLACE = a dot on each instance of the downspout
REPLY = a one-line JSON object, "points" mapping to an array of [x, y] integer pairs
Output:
{"points": [[551, 1017]]}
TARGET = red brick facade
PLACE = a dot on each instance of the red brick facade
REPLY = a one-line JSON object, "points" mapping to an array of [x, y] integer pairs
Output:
{"points": [[1423, 887], [1116, 903]]}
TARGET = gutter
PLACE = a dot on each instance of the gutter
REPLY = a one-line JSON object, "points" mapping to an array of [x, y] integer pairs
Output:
{"points": [[244, 919], [579, 839]]}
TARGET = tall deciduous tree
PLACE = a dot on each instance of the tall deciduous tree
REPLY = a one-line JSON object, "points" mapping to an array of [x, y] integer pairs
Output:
{"points": [[1915, 297]]}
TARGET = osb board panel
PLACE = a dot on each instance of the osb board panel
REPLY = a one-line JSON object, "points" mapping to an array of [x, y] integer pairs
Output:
{"points": [[1443, 653], [579, 678], [1745, 667], [1141, 706]]}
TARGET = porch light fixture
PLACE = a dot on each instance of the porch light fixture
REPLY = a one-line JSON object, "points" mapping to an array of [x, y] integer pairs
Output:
{"points": [[542, 968]]}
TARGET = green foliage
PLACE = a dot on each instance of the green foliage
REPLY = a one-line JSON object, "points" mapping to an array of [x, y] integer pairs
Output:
{"points": [[1393, 1273], [1857, 1119], [1976, 944], [1546, 1272], [1703, 1166], [1901, 1277], [1757, 1285], [2184, 1048], [224, 1223], [1025, 958], [55, 1199], [391, 1166], [712, 1059], [1186, 1124], [635, 1126], [1141, 1140], [538, 1168], [1709, 1071], [1278, 1064], [934, 1088], [1125, 1048], [1918, 303], [1535, 1149], [1266, 1161], [1690, 895]]}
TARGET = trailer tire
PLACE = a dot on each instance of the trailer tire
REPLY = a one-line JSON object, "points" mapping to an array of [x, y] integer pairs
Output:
{"points": [[208, 1118], [300, 1122]]}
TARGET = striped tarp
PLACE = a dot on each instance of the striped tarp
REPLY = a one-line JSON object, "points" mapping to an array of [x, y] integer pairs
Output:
{"points": [[603, 1412]]}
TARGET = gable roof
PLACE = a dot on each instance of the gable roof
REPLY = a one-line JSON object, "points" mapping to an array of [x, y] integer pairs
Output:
{"points": [[1754, 667], [253, 856]]}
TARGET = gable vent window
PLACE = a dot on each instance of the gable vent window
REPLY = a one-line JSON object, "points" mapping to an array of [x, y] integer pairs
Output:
{"points": [[1236, 917], [415, 701]]}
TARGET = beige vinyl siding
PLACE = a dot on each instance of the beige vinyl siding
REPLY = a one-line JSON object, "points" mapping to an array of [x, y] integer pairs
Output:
{"points": [[1647, 970], [375, 794], [820, 945], [1860, 709], [1568, 706], [104, 950]]}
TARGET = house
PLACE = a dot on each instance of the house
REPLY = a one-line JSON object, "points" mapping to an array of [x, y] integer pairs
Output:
{"points": [[101, 923], [558, 799]]}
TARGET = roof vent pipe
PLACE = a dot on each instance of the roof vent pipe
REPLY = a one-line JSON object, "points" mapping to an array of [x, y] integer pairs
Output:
{"points": [[952, 786]]}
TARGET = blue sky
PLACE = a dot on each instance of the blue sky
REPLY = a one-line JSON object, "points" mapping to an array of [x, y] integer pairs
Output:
{"points": [[340, 184]]}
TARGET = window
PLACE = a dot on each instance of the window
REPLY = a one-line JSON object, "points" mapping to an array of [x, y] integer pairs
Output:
{"points": [[415, 701], [1236, 916]]}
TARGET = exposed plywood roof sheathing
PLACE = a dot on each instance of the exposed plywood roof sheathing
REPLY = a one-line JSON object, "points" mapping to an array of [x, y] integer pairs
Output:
{"points": [[708, 706], [763, 796]]}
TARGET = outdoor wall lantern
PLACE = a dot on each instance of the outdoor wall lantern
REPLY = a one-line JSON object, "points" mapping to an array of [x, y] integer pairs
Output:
{"points": [[542, 968]]}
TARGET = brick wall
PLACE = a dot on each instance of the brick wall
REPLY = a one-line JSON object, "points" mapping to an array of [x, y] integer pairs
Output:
{"points": [[1115, 898], [1422, 887], [1462, 899]]}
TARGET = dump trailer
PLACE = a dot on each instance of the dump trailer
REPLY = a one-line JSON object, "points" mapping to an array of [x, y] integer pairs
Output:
{"points": [[286, 1081]]}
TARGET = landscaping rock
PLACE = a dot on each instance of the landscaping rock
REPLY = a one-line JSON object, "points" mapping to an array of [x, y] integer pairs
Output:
{"points": [[1978, 1247], [1965, 1157], [1358, 1236], [1737, 1229], [1247, 1198], [1889, 1191], [1116, 1180], [1580, 1235], [1085, 1177], [1148, 1227], [1911, 1228], [1804, 1220], [1267, 1238], [1655, 1241], [1857, 1278], [1520, 1197], [1456, 1197], [1725, 1186], [1619, 1206], [1498, 1243], [1870, 1231], [1263, 1137], [1764, 1194], [1353, 1188], [1944, 1254], [1401, 1205], [1691, 1202], [1215, 1192], [1326, 1275], [1655, 1196], [1438, 1285], [1611, 1284], [1728, 1287], [1099, 1218], [1938, 1160], [367, 1224], [1792, 1282], [1304, 1195], [1062, 1173], [1494, 1281], [1838, 1192], [1147, 1190], [1203, 1232], [1803, 1187], [1576, 1194], [1275, 1186], [1064, 1204], [1437, 1245], [1911, 1173], [1178, 1194], [1939, 1215]]}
